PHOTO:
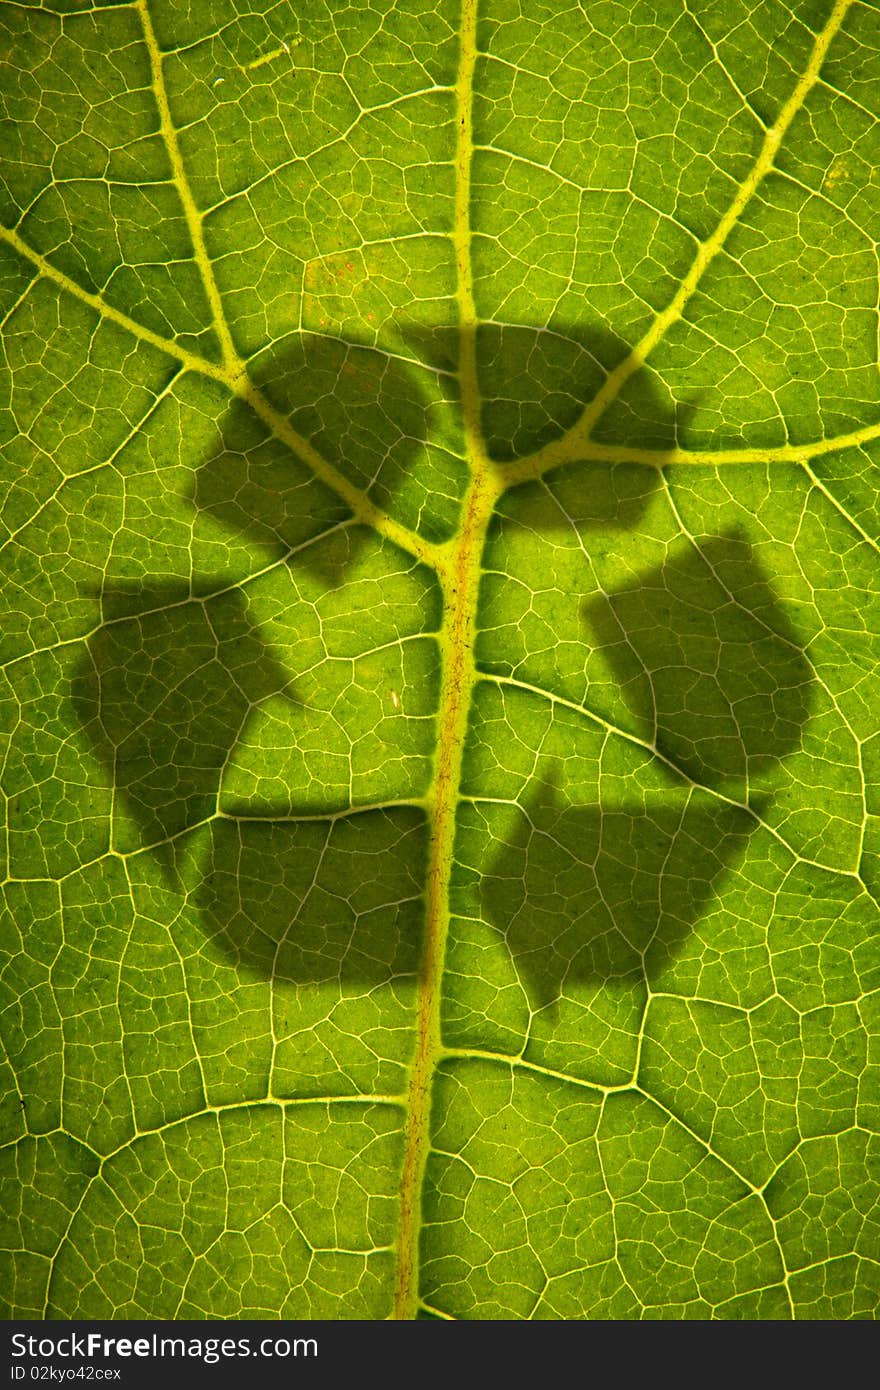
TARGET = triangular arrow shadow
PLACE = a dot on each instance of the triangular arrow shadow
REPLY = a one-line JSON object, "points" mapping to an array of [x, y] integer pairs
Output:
{"points": [[581, 894], [163, 694], [709, 659]]}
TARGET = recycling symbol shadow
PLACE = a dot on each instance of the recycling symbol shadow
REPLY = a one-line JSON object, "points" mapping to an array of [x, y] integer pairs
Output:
{"points": [[170, 680]]}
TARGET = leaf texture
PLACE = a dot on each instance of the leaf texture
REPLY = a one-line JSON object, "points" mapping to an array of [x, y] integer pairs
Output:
{"points": [[440, 665]]}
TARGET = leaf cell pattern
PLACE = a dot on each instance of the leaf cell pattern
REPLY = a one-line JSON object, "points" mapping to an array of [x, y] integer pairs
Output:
{"points": [[440, 680]]}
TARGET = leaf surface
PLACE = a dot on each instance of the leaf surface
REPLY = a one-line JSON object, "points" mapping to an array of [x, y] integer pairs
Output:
{"points": [[440, 673]]}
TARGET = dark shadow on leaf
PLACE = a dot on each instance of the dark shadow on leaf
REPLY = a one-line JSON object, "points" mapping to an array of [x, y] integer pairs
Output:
{"points": [[163, 694], [318, 901], [582, 894], [371, 413], [710, 661], [536, 383], [389, 419]]}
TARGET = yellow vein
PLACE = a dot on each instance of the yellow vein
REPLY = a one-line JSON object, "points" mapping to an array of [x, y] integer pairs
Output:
{"points": [[436, 1312], [460, 574], [462, 233], [364, 510], [706, 253], [99, 305], [94, 1179], [461, 582], [240, 1106], [839, 508], [314, 817], [699, 1139], [800, 454], [780, 1249], [231, 358], [483, 1054], [566, 450]]}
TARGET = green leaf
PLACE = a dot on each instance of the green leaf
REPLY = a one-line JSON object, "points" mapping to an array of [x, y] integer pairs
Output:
{"points": [[440, 674]]}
